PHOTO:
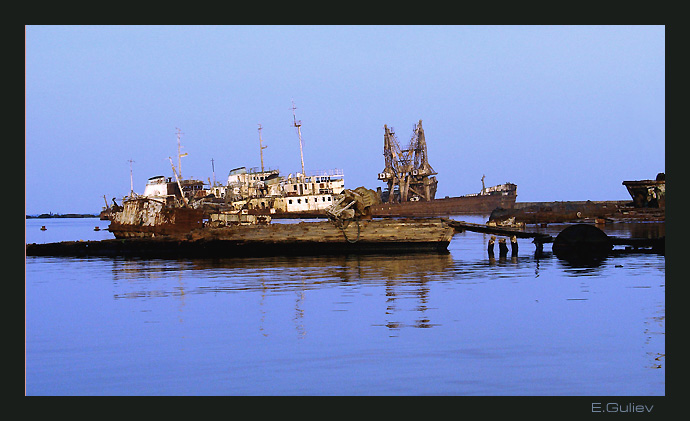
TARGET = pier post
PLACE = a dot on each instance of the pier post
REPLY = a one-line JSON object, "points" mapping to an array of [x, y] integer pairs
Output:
{"points": [[502, 247], [514, 246], [491, 246], [539, 250]]}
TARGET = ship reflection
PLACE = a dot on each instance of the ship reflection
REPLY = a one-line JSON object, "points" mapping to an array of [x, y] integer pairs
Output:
{"points": [[414, 293], [405, 281]]}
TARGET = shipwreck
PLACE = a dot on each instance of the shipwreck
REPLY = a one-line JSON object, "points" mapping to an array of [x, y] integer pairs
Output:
{"points": [[146, 227], [411, 184]]}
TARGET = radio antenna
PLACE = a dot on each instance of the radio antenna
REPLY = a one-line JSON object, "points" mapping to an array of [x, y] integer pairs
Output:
{"points": [[261, 149], [179, 155], [298, 124]]}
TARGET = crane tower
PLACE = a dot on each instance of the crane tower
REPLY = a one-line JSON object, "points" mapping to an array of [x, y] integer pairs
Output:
{"points": [[408, 173]]}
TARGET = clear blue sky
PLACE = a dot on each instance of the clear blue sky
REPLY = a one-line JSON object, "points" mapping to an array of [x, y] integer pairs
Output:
{"points": [[565, 112]]}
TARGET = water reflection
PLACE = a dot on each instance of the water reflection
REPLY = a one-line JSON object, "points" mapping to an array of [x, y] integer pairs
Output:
{"points": [[466, 324], [396, 291], [655, 332], [582, 264], [405, 280], [617, 229], [402, 277], [286, 273], [585, 259], [299, 312]]}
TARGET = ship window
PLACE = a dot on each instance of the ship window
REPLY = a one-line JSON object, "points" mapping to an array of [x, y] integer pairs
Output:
{"points": [[299, 200], [294, 187], [329, 198], [323, 199], [316, 199], [290, 201]]}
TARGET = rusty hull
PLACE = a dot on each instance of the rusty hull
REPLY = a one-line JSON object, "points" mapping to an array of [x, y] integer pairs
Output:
{"points": [[479, 204], [555, 212], [306, 238], [559, 212], [647, 193], [144, 217]]}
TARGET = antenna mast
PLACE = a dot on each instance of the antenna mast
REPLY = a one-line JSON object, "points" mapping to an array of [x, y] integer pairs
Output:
{"points": [[179, 155], [261, 149], [213, 168], [298, 124], [131, 180]]}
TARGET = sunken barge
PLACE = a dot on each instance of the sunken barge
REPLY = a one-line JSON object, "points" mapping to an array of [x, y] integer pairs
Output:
{"points": [[304, 238], [648, 204]]}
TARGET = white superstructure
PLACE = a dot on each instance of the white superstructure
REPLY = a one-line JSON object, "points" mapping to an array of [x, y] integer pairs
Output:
{"points": [[160, 186]]}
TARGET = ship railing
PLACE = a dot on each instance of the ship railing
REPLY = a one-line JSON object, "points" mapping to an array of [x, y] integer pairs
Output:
{"points": [[336, 172], [257, 170]]}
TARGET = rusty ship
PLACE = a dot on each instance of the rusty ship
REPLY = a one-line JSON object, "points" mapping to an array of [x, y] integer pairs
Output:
{"points": [[411, 184], [389, 236], [168, 225], [648, 204], [502, 196], [648, 193], [264, 191]]}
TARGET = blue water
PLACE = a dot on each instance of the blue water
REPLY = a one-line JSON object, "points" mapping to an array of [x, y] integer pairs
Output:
{"points": [[452, 324]]}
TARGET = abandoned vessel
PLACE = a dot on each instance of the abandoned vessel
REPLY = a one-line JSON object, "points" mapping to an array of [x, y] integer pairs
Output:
{"points": [[149, 227], [483, 203], [263, 191], [304, 238], [649, 204], [648, 193], [294, 196], [411, 184]]}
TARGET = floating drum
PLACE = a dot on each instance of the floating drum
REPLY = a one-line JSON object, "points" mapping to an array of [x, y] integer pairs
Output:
{"points": [[582, 240]]}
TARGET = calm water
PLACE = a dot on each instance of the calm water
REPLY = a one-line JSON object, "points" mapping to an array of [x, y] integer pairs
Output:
{"points": [[452, 324]]}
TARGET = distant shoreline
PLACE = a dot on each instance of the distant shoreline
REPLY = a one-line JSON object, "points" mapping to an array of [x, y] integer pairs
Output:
{"points": [[65, 215]]}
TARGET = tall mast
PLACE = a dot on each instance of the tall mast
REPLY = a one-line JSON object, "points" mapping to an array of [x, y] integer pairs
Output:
{"points": [[179, 155], [298, 124], [261, 149], [131, 180], [213, 169]]}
